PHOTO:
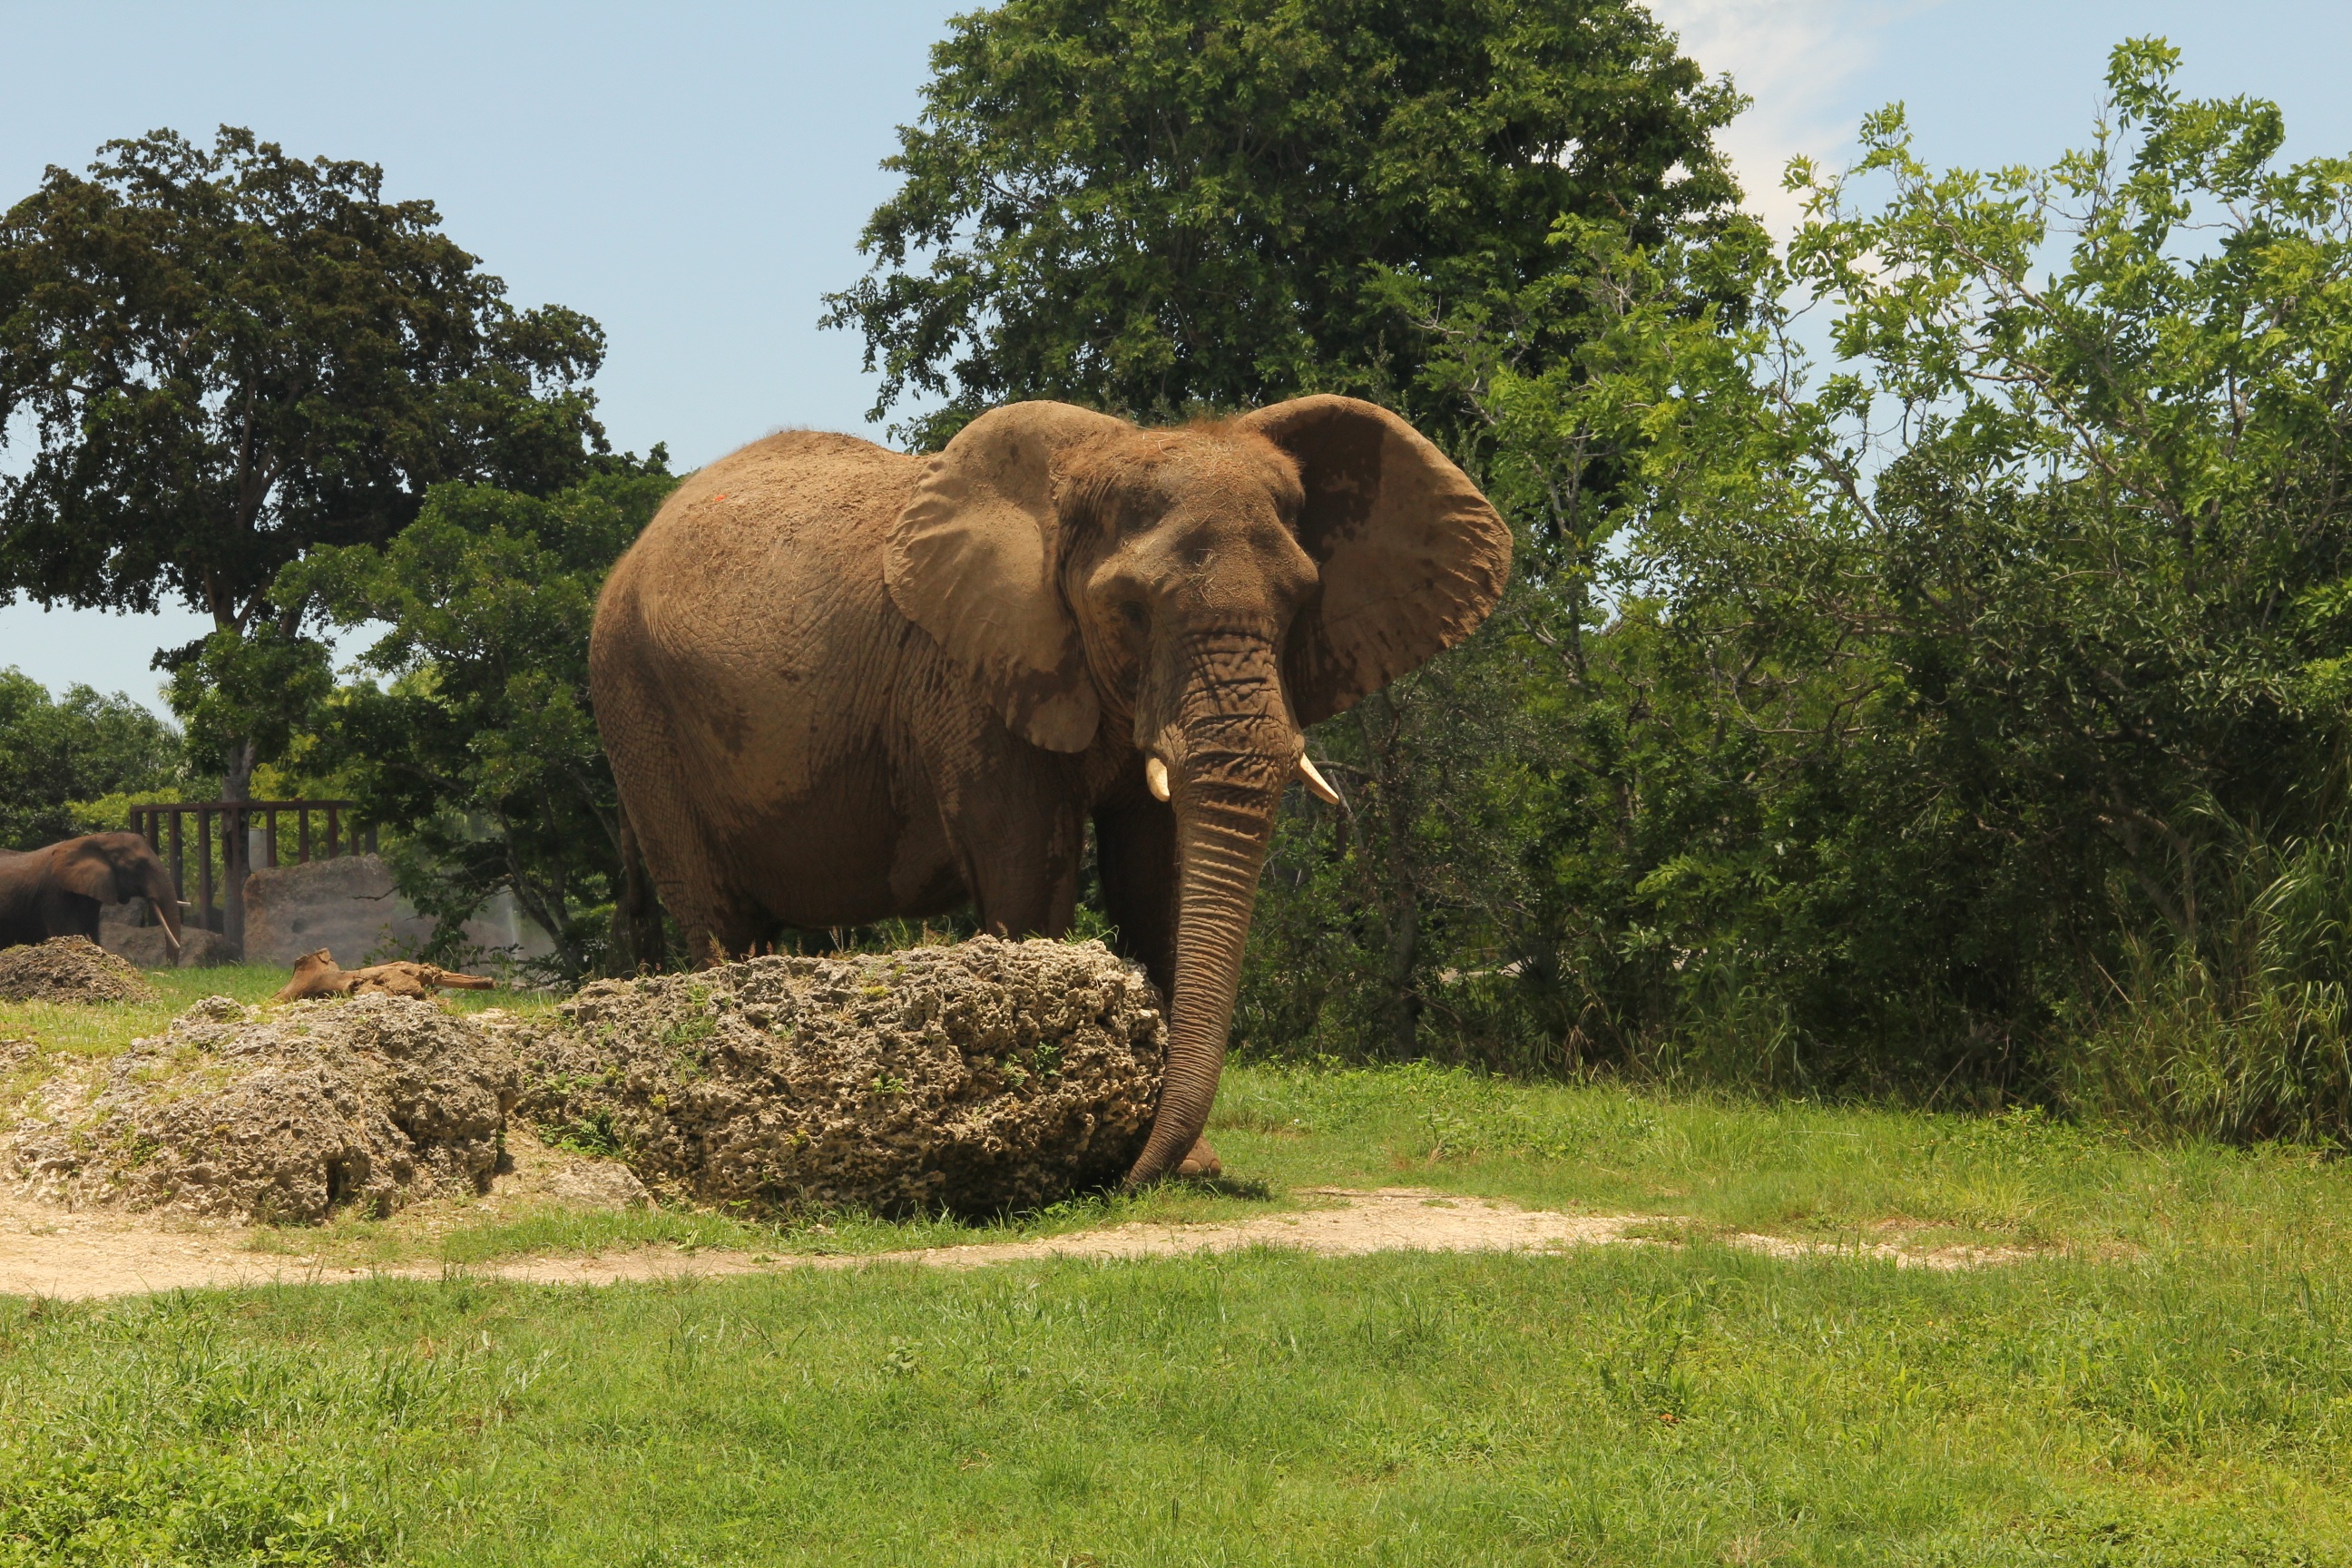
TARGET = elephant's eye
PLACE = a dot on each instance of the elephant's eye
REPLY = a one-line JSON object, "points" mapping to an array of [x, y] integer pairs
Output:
{"points": [[1134, 614]]}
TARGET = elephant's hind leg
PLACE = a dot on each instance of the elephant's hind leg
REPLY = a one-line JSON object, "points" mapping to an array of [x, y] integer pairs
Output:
{"points": [[660, 823]]}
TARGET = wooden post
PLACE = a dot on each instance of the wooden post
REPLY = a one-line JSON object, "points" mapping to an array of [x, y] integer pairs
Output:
{"points": [[204, 868], [331, 825], [303, 838], [269, 827], [179, 861]]}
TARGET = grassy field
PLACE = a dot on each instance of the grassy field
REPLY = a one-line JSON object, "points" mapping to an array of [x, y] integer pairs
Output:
{"points": [[2166, 1379]]}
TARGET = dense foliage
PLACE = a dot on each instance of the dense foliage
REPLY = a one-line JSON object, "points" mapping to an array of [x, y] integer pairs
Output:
{"points": [[56, 751], [1974, 724], [469, 730], [1151, 206]]}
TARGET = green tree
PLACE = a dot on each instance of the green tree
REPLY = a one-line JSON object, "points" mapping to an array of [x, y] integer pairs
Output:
{"points": [[1542, 822], [1975, 723], [55, 752], [229, 357], [478, 746], [1154, 206]]}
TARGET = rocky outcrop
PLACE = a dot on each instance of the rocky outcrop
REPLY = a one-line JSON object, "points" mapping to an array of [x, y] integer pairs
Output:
{"points": [[234, 1113], [68, 969], [975, 1078], [972, 1080], [129, 931], [348, 904]]}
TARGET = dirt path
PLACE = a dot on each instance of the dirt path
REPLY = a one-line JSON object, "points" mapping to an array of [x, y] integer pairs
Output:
{"points": [[72, 1257]]}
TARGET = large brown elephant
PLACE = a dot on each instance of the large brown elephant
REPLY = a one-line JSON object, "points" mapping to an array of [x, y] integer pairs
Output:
{"points": [[58, 891], [839, 683]]}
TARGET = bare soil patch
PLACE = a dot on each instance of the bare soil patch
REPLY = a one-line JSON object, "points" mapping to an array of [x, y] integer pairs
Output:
{"points": [[68, 969], [75, 1256]]}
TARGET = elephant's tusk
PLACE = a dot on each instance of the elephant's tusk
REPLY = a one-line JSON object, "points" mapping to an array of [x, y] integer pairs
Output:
{"points": [[1317, 781], [1155, 777]]}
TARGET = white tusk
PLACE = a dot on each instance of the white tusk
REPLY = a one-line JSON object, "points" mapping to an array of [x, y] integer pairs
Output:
{"points": [[1317, 781], [1155, 775]]}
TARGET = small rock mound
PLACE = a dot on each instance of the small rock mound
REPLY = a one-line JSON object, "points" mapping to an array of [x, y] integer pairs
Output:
{"points": [[975, 1078], [377, 1102], [69, 969]]}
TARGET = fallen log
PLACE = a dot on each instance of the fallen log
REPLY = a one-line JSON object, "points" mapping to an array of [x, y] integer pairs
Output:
{"points": [[318, 974]]}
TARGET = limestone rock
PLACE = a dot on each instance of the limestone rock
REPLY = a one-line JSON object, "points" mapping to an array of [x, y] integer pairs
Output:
{"points": [[126, 931], [348, 903], [975, 1078], [206, 950], [68, 969], [376, 1101]]}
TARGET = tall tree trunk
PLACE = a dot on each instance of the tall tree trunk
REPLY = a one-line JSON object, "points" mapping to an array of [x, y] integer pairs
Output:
{"points": [[236, 840]]}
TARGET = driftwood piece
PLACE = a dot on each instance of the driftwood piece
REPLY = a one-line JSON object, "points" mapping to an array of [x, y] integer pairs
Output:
{"points": [[318, 974]]}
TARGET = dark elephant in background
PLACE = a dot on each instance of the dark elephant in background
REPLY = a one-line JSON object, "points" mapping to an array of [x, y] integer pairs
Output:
{"points": [[58, 891], [839, 683]]}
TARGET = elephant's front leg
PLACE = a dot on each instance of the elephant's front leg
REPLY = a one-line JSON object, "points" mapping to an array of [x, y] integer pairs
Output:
{"points": [[70, 914], [1019, 830]]}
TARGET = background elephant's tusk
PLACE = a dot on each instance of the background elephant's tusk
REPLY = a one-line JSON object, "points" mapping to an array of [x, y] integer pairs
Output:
{"points": [[1317, 781], [1155, 775]]}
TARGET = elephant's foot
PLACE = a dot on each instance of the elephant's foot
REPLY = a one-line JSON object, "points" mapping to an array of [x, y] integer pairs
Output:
{"points": [[1202, 1165]]}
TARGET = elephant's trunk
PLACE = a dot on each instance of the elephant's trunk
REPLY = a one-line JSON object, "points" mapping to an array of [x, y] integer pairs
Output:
{"points": [[1236, 750], [165, 899]]}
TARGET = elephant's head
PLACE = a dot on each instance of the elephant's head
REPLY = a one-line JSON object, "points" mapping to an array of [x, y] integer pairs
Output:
{"points": [[114, 869], [1199, 594]]}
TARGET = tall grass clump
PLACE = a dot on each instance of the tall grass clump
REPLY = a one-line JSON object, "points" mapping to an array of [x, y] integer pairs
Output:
{"points": [[2247, 1033]]}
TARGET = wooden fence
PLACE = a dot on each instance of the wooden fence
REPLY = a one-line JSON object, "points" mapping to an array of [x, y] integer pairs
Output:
{"points": [[164, 826]]}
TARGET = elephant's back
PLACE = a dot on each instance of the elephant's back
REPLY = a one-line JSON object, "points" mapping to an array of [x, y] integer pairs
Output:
{"points": [[756, 555]]}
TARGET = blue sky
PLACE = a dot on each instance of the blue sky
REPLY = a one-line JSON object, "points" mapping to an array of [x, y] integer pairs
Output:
{"points": [[694, 175]]}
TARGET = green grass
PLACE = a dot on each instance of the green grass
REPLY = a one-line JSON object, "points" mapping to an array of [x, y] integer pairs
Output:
{"points": [[2168, 1380], [1699, 1406], [1787, 1168]]}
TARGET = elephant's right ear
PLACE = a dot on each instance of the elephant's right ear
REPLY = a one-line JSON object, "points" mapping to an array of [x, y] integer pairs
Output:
{"points": [[973, 561]]}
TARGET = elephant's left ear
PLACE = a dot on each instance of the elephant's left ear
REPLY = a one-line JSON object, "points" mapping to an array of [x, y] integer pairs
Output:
{"points": [[974, 557], [1412, 555], [79, 868]]}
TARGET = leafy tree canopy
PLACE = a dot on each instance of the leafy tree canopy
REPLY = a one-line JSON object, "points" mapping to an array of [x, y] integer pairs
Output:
{"points": [[55, 752], [227, 357], [478, 746], [1152, 205]]}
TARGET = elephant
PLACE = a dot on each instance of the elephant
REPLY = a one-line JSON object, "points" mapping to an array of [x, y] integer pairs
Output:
{"points": [[58, 891], [838, 683]]}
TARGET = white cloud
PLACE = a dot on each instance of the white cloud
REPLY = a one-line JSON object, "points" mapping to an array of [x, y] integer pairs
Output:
{"points": [[1797, 60]]}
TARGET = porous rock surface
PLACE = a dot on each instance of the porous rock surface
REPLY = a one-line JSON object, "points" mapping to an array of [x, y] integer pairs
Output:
{"points": [[68, 969], [232, 1113], [975, 1078]]}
